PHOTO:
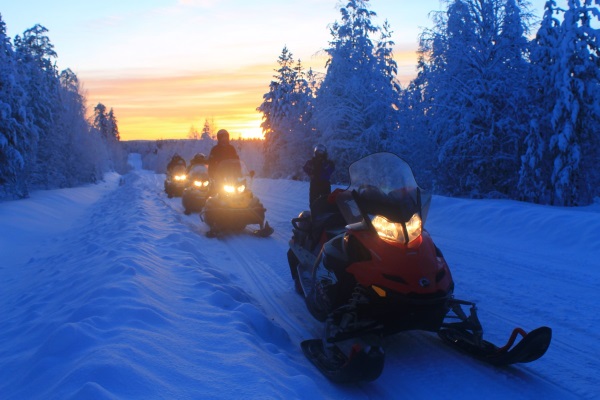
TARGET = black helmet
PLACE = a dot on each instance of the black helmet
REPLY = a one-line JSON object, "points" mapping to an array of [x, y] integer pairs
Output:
{"points": [[199, 158], [223, 136], [320, 151]]}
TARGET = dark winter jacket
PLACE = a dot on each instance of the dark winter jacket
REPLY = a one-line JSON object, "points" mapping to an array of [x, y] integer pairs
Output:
{"points": [[220, 152], [175, 161], [319, 170]]}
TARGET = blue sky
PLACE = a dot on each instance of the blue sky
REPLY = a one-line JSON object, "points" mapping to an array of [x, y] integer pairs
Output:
{"points": [[206, 58]]}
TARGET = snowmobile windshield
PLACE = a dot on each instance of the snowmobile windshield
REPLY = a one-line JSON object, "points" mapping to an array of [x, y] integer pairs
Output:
{"points": [[177, 171], [199, 171], [383, 184], [231, 170]]}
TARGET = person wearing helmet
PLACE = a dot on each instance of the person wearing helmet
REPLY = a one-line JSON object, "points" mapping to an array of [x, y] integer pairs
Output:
{"points": [[223, 150], [176, 160], [319, 169], [198, 159]]}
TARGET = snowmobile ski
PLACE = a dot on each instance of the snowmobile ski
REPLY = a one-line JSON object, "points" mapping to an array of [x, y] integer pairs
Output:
{"points": [[364, 363], [533, 345], [265, 231]]}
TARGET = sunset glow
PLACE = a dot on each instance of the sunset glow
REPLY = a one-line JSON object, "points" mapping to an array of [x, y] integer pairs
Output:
{"points": [[166, 107], [165, 66]]}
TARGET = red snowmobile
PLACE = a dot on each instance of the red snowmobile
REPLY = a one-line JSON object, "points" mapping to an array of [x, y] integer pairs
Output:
{"points": [[368, 269]]}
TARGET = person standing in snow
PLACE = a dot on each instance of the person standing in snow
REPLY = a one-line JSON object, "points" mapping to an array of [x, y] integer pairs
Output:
{"points": [[319, 169]]}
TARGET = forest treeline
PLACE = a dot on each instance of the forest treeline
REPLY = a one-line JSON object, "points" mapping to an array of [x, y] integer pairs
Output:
{"points": [[46, 139], [502, 106]]}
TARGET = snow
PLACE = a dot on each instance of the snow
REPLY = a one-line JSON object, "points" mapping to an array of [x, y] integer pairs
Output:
{"points": [[109, 291]]}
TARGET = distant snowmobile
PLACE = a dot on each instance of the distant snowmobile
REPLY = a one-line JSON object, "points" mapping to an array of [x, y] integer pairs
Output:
{"points": [[233, 206], [367, 268], [176, 181], [195, 195]]}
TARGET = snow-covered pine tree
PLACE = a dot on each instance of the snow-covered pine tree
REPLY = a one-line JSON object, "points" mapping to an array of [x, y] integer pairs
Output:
{"points": [[100, 120], [193, 133], [474, 60], [207, 130], [36, 55], [15, 123], [286, 125], [576, 113], [536, 165], [444, 70], [113, 126], [356, 109], [79, 162]]}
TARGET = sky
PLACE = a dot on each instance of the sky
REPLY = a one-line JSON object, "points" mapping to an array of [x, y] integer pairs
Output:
{"points": [[166, 66], [109, 291]]}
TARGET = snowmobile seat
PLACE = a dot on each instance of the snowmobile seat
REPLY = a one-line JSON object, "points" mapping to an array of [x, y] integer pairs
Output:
{"points": [[325, 216]]}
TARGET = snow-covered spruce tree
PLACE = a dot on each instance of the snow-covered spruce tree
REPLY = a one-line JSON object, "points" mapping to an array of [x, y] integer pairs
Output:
{"points": [[287, 109], [80, 154], [113, 127], [474, 69], [536, 165], [15, 123], [105, 123], [100, 120], [207, 130], [35, 54], [356, 109], [576, 114], [193, 133]]}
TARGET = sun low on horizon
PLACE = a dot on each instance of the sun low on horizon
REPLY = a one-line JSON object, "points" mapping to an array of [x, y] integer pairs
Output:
{"points": [[167, 66], [158, 107], [170, 107]]}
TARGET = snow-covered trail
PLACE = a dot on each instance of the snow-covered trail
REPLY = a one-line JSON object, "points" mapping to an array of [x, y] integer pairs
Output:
{"points": [[133, 301]]}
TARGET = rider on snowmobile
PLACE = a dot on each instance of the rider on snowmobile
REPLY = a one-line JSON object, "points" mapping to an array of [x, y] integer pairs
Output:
{"points": [[198, 159], [223, 150], [176, 160]]}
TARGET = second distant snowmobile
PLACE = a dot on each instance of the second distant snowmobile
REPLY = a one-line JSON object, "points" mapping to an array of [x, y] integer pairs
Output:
{"points": [[196, 193]]}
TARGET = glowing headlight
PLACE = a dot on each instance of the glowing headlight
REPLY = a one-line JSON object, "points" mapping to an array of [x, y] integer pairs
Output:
{"points": [[181, 177], [229, 189], [234, 189], [388, 230], [414, 227], [201, 184], [394, 231]]}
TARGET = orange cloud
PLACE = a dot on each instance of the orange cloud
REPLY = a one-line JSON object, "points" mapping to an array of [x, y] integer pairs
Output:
{"points": [[161, 106], [165, 107]]}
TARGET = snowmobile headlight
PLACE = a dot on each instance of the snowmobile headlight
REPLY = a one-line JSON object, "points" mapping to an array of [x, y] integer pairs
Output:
{"points": [[394, 231], [388, 230], [414, 227], [181, 177], [201, 184], [229, 188], [234, 189]]}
